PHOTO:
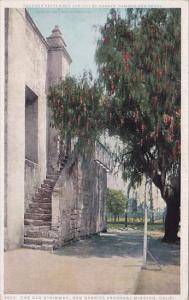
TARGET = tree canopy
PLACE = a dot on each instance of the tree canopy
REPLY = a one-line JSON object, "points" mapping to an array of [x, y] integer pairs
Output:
{"points": [[139, 66], [139, 61], [75, 107]]}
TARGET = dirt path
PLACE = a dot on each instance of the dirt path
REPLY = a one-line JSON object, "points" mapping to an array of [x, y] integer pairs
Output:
{"points": [[109, 264], [106, 264], [166, 280]]}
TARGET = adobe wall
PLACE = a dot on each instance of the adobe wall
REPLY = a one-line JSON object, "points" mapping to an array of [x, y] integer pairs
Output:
{"points": [[14, 127], [30, 145], [78, 200], [58, 67], [26, 65], [36, 52]]}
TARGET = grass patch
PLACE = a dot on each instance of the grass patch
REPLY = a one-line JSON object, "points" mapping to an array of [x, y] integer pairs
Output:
{"points": [[140, 226]]}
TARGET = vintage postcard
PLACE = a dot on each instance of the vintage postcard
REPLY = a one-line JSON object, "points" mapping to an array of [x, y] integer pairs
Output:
{"points": [[94, 149]]}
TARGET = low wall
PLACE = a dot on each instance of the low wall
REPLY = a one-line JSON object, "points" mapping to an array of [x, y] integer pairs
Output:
{"points": [[78, 200], [32, 181]]}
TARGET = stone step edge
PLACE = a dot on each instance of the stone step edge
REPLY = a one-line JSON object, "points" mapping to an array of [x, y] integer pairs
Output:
{"points": [[37, 214], [38, 211], [38, 247], [31, 221], [43, 240]]}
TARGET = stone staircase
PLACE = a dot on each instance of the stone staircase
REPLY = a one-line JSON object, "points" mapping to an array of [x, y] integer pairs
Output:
{"points": [[37, 218]]}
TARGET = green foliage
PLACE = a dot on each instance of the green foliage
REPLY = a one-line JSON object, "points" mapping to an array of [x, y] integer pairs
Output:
{"points": [[139, 65], [116, 202], [75, 107]]}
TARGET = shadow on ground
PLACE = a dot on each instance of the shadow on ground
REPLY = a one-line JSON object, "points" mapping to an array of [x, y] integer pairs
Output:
{"points": [[106, 245], [165, 254], [123, 244]]}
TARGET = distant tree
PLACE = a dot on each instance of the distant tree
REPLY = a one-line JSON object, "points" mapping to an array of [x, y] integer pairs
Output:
{"points": [[116, 202]]}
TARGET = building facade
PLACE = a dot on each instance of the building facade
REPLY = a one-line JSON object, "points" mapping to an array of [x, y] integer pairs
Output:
{"points": [[32, 65]]}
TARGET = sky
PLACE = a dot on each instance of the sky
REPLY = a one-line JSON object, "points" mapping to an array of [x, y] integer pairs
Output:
{"points": [[80, 30]]}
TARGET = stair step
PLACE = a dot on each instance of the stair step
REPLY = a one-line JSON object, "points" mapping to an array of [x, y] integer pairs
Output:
{"points": [[42, 205], [38, 241], [49, 181], [36, 234], [53, 177], [37, 219], [39, 247], [43, 194], [40, 228], [44, 199], [44, 191], [34, 247], [38, 210], [47, 186], [36, 216], [36, 222]]}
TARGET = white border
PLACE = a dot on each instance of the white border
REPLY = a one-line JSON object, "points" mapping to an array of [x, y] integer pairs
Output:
{"points": [[2, 152], [184, 136], [184, 157], [95, 3]]}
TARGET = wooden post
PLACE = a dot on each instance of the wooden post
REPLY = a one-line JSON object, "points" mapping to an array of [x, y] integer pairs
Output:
{"points": [[145, 246], [125, 218]]}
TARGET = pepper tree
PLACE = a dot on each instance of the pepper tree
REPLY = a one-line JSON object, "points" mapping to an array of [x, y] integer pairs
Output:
{"points": [[76, 110], [139, 60]]}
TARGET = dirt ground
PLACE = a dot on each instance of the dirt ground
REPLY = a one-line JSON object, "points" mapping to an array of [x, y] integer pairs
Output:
{"points": [[109, 264], [164, 281], [106, 264]]}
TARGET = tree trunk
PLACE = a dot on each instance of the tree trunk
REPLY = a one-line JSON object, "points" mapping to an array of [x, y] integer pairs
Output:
{"points": [[172, 220]]}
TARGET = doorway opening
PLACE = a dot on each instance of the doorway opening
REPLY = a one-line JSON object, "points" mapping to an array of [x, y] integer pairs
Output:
{"points": [[31, 125]]}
